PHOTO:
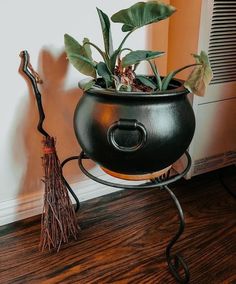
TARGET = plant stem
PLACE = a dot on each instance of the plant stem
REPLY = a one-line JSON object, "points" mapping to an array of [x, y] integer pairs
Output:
{"points": [[118, 50], [97, 48], [124, 39], [156, 74], [170, 76], [185, 67], [103, 54], [123, 49]]}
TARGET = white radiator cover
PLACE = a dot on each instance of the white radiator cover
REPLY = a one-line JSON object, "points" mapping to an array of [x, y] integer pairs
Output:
{"points": [[214, 142]]}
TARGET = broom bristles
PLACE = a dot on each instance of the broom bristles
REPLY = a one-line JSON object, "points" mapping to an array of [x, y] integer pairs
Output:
{"points": [[59, 221]]}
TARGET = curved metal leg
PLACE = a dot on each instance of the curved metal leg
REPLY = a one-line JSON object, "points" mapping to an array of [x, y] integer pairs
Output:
{"points": [[175, 261]]}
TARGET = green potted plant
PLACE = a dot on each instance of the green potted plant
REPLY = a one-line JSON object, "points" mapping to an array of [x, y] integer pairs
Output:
{"points": [[129, 123]]}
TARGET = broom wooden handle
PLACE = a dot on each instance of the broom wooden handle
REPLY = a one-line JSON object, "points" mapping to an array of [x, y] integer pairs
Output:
{"points": [[34, 79]]}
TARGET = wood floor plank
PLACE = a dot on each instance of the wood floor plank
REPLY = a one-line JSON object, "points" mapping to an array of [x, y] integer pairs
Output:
{"points": [[124, 235]]}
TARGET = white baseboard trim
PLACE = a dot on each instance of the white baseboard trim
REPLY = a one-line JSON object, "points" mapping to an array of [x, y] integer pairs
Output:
{"points": [[31, 205]]}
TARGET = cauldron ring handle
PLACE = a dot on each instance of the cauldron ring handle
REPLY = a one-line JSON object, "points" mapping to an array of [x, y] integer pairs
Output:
{"points": [[127, 124]]}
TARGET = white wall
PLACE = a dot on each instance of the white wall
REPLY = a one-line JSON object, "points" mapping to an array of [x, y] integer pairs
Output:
{"points": [[38, 25]]}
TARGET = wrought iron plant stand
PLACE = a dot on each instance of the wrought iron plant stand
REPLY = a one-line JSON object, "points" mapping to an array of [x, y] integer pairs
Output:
{"points": [[175, 261]]}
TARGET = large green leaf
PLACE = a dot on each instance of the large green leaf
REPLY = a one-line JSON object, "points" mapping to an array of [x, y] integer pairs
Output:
{"points": [[137, 56], [146, 81], [103, 71], [79, 56], [142, 14], [106, 31], [201, 76]]}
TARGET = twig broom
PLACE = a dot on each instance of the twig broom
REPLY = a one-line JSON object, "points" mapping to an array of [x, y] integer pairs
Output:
{"points": [[59, 220]]}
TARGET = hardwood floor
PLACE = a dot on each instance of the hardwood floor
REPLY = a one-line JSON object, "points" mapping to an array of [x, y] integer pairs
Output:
{"points": [[124, 235]]}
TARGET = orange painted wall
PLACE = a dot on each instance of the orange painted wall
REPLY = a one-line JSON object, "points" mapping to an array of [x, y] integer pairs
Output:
{"points": [[159, 41], [183, 34], [178, 36]]}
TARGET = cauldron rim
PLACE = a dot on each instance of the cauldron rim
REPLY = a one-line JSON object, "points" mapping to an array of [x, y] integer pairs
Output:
{"points": [[176, 84]]}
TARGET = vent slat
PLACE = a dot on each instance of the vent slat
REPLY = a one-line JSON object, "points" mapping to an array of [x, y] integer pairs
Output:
{"points": [[223, 32], [223, 1], [229, 20], [226, 39], [225, 76], [228, 11], [219, 16], [224, 71], [225, 35], [223, 17], [222, 23], [222, 43], [218, 48], [223, 80], [214, 82], [222, 62], [224, 8], [223, 55], [222, 28], [224, 68], [226, 49], [229, 79], [225, 64]]}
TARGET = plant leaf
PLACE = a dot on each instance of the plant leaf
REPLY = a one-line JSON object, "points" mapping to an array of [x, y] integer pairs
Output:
{"points": [[146, 81], [113, 59], [137, 56], [156, 74], [201, 76], [79, 56], [167, 79], [106, 31], [86, 84], [123, 88], [105, 73], [142, 14], [87, 47], [83, 59]]}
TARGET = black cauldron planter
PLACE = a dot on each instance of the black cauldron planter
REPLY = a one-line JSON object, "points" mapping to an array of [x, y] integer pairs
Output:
{"points": [[135, 133]]}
